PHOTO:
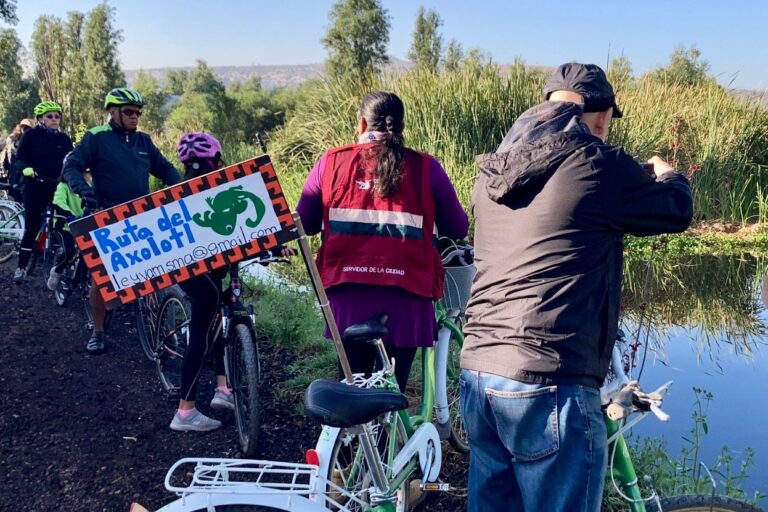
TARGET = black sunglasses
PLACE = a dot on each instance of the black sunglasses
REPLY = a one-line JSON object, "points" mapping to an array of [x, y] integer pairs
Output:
{"points": [[52, 116], [130, 112]]}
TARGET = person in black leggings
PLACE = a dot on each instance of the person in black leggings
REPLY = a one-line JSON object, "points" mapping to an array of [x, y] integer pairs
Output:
{"points": [[204, 294], [200, 153], [42, 149]]}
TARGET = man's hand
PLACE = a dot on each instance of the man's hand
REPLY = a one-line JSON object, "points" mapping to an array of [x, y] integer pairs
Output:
{"points": [[660, 166], [89, 202]]}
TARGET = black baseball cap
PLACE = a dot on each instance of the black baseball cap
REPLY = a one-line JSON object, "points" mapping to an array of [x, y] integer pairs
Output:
{"points": [[587, 80]]}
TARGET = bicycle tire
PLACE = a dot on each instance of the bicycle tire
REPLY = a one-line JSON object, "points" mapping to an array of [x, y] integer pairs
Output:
{"points": [[171, 341], [66, 283], [241, 508], [341, 470], [243, 357], [54, 248], [10, 245], [146, 312], [702, 503], [142, 318], [458, 437]]}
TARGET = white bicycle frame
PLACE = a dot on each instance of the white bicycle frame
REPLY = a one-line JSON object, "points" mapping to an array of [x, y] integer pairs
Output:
{"points": [[15, 209], [280, 485], [442, 407]]}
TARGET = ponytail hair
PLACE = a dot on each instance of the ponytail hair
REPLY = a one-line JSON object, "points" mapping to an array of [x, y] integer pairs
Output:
{"points": [[384, 112]]}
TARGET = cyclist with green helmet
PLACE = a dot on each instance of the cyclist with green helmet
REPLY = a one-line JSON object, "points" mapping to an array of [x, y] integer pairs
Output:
{"points": [[42, 149], [120, 160]]}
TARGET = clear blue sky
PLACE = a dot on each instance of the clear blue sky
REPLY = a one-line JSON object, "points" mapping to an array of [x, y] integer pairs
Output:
{"points": [[730, 34]]}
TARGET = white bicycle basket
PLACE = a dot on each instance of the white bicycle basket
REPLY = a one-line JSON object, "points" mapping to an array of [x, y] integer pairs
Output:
{"points": [[458, 285]]}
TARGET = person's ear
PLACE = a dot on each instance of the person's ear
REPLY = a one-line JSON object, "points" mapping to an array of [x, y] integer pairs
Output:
{"points": [[603, 122], [362, 126]]}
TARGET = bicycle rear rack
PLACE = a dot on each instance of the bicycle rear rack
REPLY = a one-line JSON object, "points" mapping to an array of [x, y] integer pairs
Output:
{"points": [[257, 477]]}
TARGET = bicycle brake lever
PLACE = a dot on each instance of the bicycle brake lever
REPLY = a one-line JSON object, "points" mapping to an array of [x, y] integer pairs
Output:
{"points": [[656, 410]]}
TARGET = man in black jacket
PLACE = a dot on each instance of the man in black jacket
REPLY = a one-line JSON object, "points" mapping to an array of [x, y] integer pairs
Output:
{"points": [[120, 160], [551, 208]]}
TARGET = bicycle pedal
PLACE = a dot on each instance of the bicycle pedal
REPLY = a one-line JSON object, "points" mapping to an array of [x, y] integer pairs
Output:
{"points": [[435, 487]]}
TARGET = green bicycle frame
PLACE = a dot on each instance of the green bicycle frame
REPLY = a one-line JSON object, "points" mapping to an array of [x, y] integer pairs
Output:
{"points": [[622, 468]]}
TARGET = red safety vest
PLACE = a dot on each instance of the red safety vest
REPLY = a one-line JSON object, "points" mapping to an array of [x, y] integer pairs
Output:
{"points": [[372, 240]]}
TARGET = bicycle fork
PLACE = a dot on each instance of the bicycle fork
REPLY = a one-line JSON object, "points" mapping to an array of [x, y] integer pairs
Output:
{"points": [[442, 408]]}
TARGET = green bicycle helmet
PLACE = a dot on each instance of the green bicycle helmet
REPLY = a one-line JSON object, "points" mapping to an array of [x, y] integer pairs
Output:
{"points": [[123, 96], [45, 107]]}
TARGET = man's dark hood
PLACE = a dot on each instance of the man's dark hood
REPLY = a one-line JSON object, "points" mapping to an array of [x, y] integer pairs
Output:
{"points": [[539, 141]]}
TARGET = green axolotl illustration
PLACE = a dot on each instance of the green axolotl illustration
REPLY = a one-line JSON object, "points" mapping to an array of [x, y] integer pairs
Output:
{"points": [[226, 206]]}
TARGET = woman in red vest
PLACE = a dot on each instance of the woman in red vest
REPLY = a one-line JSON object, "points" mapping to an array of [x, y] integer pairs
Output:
{"points": [[378, 205]]}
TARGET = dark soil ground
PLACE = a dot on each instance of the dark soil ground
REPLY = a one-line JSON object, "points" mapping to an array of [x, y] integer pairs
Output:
{"points": [[90, 433]]}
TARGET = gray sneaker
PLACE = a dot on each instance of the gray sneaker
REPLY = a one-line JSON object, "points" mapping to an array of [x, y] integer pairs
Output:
{"points": [[19, 275], [54, 278], [223, 401], [195, 422]]}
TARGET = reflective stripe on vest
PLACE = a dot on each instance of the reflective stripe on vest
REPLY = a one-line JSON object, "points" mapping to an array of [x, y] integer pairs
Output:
{"points": [[350, 221]]}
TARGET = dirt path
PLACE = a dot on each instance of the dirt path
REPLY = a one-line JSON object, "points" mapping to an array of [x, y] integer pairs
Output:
{"points": [[90, 433]]}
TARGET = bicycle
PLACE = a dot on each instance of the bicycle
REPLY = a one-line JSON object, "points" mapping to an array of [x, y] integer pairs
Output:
{"points": [[11, 226], [233, 326], [366, 455], [621, 397], [48, 240]]}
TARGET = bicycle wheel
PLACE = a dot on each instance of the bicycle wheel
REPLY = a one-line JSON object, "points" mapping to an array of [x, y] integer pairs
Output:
{"points": [[458, 438], [241, 508], [145, 310], [64, 288], [171, 340], [11, 223], [54, 247], [349, 470], [242, 358], [702, 503]]}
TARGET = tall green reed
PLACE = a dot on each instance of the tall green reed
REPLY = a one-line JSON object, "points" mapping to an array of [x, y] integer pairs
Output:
{"points": [[456, 115]]}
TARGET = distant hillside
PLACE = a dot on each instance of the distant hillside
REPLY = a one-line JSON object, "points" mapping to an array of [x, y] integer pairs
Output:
{"points": [[271, 76]]}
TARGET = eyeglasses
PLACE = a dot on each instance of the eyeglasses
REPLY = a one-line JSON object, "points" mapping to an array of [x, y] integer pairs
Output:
{"points": [[130, 112], [52, 116]]}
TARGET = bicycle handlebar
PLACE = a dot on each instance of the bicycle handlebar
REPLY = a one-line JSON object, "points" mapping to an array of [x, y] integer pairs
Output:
{"points": [[36, 177], [463, 254]]}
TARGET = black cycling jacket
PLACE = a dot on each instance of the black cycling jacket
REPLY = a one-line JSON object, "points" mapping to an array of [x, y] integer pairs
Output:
{"points": [[43, 150], [120, 163]]}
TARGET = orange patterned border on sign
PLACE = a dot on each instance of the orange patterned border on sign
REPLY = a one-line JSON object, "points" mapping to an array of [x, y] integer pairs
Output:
{"points": [[82, 229]]}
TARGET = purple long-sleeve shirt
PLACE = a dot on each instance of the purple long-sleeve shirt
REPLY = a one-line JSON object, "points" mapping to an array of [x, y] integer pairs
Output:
{"points": [[411, 317]]}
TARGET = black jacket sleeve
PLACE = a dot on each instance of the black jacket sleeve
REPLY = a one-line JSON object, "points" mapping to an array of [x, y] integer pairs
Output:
{"points": [[76, 163], [637, 204], [161, 168]]}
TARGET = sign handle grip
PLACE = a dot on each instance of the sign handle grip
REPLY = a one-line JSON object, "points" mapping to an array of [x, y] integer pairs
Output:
{"points": [[317, 284]]}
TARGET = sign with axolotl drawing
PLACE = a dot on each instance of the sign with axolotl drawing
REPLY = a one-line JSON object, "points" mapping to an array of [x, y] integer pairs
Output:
{"points": [[185, 230]]}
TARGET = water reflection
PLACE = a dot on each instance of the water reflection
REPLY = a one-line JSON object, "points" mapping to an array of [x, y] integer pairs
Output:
{"points": [[708, 323], [716, 297]]}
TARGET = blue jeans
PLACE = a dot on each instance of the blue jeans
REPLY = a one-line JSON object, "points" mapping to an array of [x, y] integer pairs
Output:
{"points": [[534, 448]]}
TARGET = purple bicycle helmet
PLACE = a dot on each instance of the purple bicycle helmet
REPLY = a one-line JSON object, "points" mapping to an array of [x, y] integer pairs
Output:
{"points": [[198, 145]]}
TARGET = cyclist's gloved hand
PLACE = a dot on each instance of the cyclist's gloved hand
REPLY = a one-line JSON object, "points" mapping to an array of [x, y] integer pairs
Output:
{"points": [[28, 172]]}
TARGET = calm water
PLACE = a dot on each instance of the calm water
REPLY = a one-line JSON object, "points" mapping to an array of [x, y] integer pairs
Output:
{"points": [[709, 331]]}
